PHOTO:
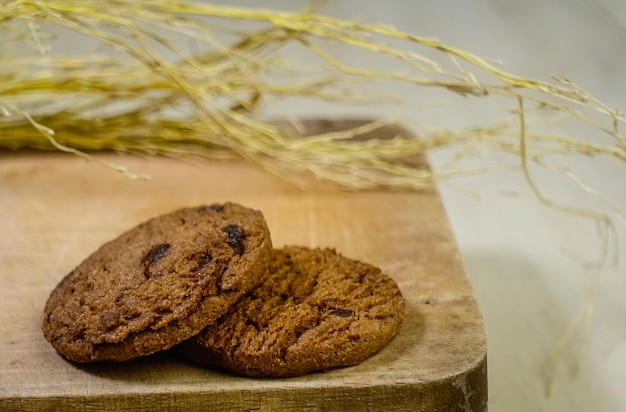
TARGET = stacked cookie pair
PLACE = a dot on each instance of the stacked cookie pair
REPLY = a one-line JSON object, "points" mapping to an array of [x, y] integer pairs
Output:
{"points": [[207, 282]]}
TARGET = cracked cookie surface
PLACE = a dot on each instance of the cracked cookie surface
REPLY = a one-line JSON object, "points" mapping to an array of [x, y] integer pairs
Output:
{"points": [[157, 284], [314, 310]]}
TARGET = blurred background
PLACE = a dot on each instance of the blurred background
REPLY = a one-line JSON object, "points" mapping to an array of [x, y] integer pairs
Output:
{"points": [[532, 268]]}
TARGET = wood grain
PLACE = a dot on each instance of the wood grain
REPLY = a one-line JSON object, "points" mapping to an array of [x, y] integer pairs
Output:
{"points": [[57, 208]]}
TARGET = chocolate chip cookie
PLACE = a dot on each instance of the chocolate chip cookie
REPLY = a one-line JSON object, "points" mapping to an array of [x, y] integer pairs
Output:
{"points": [[315, 310], [158, 284]]}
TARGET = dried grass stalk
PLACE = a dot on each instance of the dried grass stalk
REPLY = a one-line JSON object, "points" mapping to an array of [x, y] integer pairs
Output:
{"points": [[146, 93], [149, 94], [202, 104]]}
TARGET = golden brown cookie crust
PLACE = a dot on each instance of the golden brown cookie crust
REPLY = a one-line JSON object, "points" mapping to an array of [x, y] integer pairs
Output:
{"points": [[315, 310], [157, 284]]}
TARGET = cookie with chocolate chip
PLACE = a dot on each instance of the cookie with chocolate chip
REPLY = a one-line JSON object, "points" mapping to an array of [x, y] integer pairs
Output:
{"points": [[158, 284], [315, 310]]}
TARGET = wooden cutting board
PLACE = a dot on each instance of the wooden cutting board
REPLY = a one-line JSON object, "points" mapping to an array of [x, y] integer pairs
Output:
{"points": [[55, 209]]}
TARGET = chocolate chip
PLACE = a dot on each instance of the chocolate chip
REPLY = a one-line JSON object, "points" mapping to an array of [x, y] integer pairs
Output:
{"points": [[153, 256], [202, 260], [216, 207], [251, 322], [235, 235], [343, 313], [156, 253]]}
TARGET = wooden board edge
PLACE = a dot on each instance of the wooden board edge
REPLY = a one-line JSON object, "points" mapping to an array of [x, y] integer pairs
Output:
{"points": [[464, 392]]}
